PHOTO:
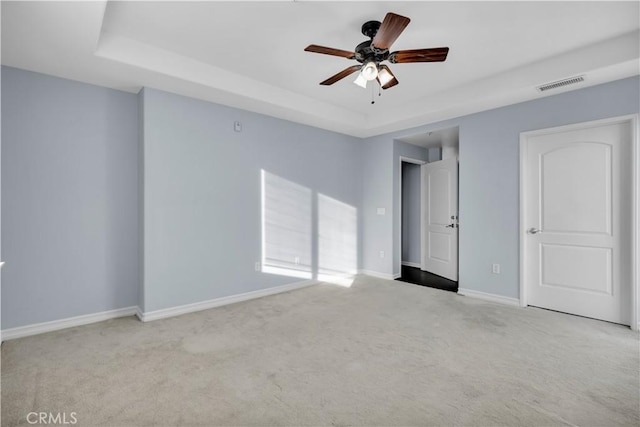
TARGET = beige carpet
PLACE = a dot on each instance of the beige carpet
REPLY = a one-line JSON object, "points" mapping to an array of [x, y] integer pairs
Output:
{"points": [[378, 353]]}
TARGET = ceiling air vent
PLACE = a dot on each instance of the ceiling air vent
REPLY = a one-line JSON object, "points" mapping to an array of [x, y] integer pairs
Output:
{"points": [[560, 83]]}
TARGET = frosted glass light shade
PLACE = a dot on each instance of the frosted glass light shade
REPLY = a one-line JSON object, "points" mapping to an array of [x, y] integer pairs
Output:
{"points": [[370, 70], [361, 81], [384, 76]]}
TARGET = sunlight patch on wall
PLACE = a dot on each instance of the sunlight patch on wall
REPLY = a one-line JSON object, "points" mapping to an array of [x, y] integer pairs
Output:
{"points": [[286, 227], [337, 241]]}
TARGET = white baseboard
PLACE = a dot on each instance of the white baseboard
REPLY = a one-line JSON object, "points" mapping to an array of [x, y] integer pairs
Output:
{"points": [[489, 297], [205, 305], [70, 322], [412, 264], [140, 314], [380, 275]]}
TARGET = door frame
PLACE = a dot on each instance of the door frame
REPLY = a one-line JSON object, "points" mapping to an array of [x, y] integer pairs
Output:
{"points": [[632, 119], [415, 162]]}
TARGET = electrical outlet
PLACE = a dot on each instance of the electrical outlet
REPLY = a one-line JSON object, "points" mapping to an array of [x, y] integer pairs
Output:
{"points": [[495, 268], [297, 260], [381, 211], [258, 266], [381, 254]]}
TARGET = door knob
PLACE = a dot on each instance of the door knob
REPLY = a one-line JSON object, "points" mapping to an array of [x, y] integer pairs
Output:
{"points": [[451, 226], [533, 230]]}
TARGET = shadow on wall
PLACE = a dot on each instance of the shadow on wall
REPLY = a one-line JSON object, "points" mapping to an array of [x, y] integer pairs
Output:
{"points": [[288, 218]]}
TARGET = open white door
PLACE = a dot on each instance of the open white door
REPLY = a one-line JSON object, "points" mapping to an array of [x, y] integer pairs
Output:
{"points": [[440, 214], [577, 221]]}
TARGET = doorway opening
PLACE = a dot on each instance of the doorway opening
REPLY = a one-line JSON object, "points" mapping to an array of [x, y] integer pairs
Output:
{"points": [[428, 206]]}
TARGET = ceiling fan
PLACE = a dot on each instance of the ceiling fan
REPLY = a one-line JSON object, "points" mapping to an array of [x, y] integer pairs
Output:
{"points": [[372, 52]]}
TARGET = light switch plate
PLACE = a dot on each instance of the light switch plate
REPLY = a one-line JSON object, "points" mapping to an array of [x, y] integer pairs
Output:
{"points": [[381, 211]]}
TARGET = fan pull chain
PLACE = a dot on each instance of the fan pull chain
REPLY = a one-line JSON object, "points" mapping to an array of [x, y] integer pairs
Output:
{"points": [[372, 99]]}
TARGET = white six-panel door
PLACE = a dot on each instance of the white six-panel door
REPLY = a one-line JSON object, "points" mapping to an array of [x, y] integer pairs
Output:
{"points": [[577, 221], [440, 225]]}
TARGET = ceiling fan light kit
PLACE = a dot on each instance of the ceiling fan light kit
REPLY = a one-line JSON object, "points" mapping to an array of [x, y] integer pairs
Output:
{"points": [[373, 52], [370, 70]]}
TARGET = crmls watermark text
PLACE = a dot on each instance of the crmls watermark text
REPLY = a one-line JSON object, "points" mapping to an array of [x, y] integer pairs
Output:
{"points": [[52, 418]]}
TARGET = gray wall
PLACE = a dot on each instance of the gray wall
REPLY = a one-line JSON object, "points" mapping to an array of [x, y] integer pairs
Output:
{"points": [[75, 158], [140, 200], [202, 220], [411, 212], [0, 197], [435, 154], [377, 156], [489, 174], [69, 198]]}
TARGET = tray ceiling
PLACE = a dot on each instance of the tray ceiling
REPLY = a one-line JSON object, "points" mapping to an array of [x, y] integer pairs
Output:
{"points": [[250, 54]]}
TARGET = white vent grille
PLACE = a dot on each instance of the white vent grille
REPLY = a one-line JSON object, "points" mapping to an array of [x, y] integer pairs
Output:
{"points": [[560, 83]]}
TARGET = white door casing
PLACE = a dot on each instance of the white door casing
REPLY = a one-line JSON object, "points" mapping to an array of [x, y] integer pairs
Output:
{"points": [[440, 213], [576, 220]]}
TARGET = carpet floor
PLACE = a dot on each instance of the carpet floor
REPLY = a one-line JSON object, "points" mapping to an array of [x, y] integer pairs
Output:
{"points": [[378, 353]]}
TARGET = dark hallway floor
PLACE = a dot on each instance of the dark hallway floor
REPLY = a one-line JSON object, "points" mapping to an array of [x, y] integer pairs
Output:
{"points": [[424, 278]]}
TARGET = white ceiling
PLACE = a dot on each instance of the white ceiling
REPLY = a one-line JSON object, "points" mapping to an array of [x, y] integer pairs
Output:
{"points": [[448, 137], [250, 55]]}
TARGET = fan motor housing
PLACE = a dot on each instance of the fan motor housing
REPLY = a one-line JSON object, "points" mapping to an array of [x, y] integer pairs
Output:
{"points": [[370, 28], [365, 52]]}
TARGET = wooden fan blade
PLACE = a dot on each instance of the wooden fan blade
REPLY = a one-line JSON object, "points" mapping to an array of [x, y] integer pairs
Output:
{"points": [[392, 26], [341, 75], [437, 54], [330, 51], [391, 83]]}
